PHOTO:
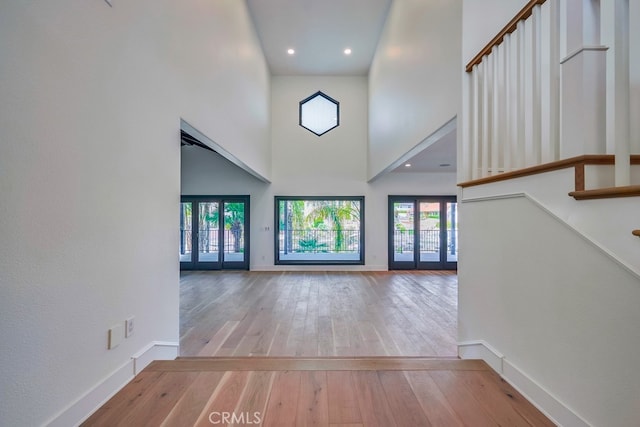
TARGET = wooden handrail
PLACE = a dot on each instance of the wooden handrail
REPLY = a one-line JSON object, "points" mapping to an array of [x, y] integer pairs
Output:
{"points": [[526, 12], [577, 162], [587, 159]]}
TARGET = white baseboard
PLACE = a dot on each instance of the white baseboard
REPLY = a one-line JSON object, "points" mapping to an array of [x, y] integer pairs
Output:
{"points": [[535, 393], [481, 350], [86, 405], [319, 268], [553, 408], [156, 350], [80, 410]]}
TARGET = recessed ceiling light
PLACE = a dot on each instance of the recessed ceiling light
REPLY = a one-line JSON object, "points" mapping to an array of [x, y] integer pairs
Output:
{"points": [[407, 165], [347, 51], [291, 51]]}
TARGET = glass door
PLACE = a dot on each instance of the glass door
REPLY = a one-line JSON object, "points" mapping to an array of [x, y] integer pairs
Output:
{"points": [[186, 230], [403, 217], [208, 236], [234, 244], [437, 235], [452, 233], [423, 233], [213, 233]]}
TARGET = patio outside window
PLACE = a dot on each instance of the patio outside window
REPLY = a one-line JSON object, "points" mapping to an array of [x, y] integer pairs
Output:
{"points": [[319, 230]]}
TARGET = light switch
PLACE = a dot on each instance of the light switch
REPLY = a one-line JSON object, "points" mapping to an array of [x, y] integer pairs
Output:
{"points": [[116, 335]]}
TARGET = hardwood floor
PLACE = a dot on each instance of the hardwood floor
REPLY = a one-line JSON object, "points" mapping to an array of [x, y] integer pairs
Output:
{"points": [[316, 314], [322, 349], [370, 392]]}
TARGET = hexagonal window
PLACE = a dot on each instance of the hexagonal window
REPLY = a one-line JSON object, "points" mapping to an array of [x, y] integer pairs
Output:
{"points": [[319, 113]]}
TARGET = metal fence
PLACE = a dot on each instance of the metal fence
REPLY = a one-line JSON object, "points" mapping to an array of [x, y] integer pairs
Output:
{"points": [[208, 241], [428, 240], [319, 241]]}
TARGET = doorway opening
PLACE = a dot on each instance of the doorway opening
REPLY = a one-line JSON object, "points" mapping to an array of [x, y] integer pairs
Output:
{"points": [[423, 233]]}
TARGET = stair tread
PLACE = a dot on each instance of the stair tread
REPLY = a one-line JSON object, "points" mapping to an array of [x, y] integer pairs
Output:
{"points": [[605, 193], [316, 364]]}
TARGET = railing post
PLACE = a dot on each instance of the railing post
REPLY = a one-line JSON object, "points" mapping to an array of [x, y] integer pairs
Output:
{"points": [[615, 34], [583, 80]]}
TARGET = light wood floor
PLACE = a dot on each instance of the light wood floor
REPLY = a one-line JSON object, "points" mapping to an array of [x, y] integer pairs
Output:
{"points": [[378, 391], [318, 314], [322, 349]]}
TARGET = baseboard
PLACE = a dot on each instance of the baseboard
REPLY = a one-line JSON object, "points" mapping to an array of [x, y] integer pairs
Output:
{"points": [[319, 268], [80, 410], [156, 350], [481, 350], [553, 408], [535, 393], [86, 405]]}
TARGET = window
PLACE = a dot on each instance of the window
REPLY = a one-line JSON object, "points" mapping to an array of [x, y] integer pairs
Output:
{"points": [[319, 113], [319, 230]]}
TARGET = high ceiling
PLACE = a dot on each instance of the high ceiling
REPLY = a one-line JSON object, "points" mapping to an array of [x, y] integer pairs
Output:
{"points": [[319, 31]]}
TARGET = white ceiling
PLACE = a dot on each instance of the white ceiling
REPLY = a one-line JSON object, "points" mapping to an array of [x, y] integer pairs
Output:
{"points": [[437, 157], [319, 31]]}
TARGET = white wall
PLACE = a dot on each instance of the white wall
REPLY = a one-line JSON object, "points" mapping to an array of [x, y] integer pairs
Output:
{"points": [[414, 81], [562, 313], [339, 156], [223, 84], [92, 98], [634, 74], [589, 217], [482, 20]]}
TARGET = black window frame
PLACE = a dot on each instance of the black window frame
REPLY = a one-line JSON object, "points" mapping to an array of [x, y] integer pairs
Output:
{"points": [[328, 98], [276, 228]]}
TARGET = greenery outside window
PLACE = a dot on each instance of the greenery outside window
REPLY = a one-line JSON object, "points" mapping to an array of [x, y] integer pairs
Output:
{"points": [[319, 230]]}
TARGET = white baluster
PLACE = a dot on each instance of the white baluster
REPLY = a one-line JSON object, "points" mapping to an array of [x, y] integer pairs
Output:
{"points": [[486, 118], [536, 92], [509, 124], [615, 35], [528, 93], [495, 110], [476, 120], [520, 152]]}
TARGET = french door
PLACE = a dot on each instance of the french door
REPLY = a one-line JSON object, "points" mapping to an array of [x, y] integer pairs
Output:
{"points": [[214, 232], [423, 233]]}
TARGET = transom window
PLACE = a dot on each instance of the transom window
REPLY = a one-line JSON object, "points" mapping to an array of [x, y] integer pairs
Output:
{"points": [[319, 230], [319, 113]]}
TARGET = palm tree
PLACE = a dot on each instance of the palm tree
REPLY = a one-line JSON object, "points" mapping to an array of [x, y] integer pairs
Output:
{"points": [[292, 218], [335, 213], [233, 221]]}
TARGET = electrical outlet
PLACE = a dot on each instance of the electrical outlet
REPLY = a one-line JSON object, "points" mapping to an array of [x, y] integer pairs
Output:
{"points": [[115, 336], [129, 327]]}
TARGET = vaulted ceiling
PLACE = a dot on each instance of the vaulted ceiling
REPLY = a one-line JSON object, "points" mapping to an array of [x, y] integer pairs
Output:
{"points": [[319, 31]]}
